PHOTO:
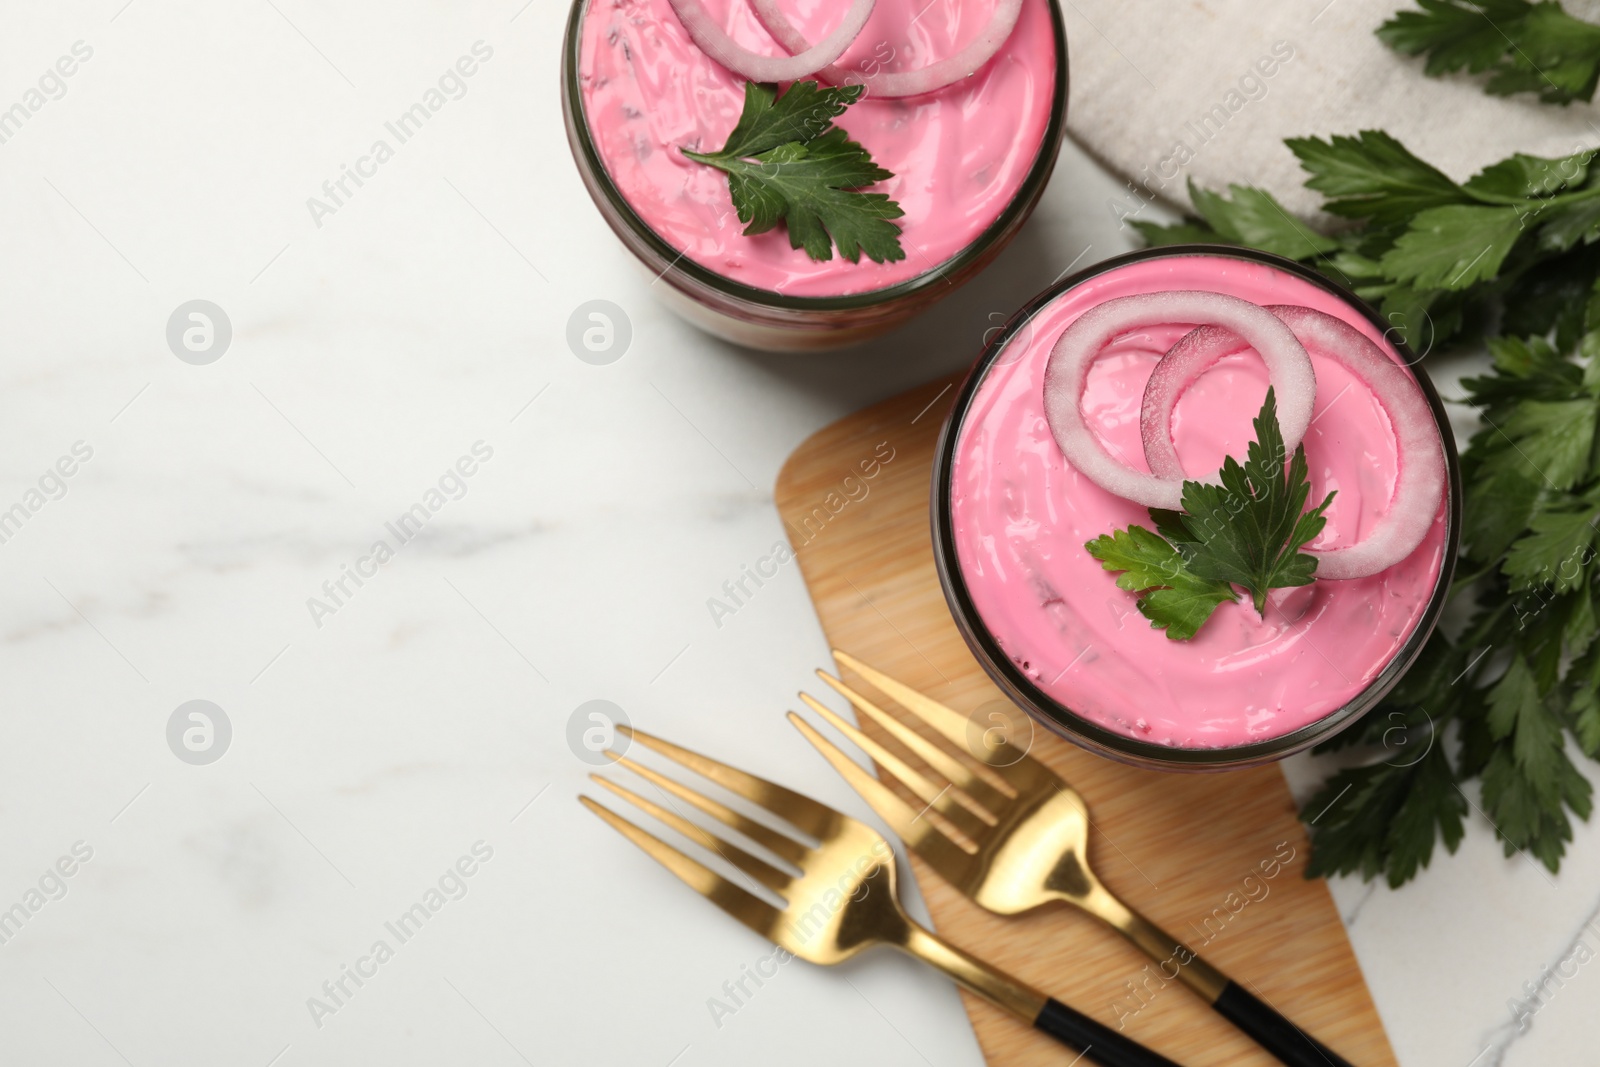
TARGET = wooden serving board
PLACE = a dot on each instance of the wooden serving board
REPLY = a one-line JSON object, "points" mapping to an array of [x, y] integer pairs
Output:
{"points": [[1191, 851]]}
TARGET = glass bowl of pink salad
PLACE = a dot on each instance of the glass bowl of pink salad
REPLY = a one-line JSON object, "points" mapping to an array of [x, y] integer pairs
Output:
{"points": [[1012, 520], [969, 161]]}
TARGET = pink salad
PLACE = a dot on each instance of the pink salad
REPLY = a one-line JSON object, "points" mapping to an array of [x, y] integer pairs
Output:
{"points": [[1021, 515], [959, 155]]}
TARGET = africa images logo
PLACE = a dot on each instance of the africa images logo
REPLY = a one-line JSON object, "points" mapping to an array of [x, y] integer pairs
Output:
{"points": [[452, 85], [452, 485], [450, 886]]}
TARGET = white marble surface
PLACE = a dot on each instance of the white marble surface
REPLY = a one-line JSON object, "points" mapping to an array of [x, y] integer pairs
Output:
{"points": [[429, 711]]}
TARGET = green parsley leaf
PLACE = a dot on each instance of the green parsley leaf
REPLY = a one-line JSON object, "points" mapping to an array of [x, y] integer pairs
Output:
{"points": [[1584, 701], [1529, 782], [1255, 218], [1499, 505], [1524, 817], [1171, 597], [1373, 176], [1180, 233], [1515, 707], [1553, 553], [1583, 626], [787, 163], [1552, 54], [806, 111], [1386, 817], [1169, 524], [1554, 294], [1525, 47], [1454, 246], [1554, 438], [1247, 531], [1523, 176], [1525, 368], [1454, 36], [1577, 220]]}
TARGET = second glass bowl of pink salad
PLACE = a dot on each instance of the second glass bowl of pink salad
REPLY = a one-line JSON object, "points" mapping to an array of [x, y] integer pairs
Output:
{"points": [[969, 160], [1011, 517]]}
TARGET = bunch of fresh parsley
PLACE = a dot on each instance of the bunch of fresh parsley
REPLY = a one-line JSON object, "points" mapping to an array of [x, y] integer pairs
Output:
{"points": [[1525, 47], [1246, 530], [1433, 254], [1512, 254], [787, 162]]}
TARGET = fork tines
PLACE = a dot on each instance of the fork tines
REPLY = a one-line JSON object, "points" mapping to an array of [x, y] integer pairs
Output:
{"points": [[965, 802], [802, 812]]}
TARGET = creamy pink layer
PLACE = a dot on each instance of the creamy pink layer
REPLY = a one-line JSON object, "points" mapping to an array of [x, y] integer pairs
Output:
{"points": [[1021, 516], [959, 155]]}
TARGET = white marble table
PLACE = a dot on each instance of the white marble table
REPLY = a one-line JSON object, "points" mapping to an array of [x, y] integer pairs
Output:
{"points": [[389, 737]]}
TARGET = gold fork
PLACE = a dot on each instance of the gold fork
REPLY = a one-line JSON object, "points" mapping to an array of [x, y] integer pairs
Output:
{"points": [[841, 901], [1026, 844]]}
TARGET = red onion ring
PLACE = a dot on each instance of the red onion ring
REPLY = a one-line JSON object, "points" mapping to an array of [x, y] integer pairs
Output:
{"points": [[1419, 455], [714, 41], [965, 63], [1079, 345]]}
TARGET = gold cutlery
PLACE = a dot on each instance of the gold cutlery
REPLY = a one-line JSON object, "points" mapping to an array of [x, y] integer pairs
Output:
{"points": [[1026, 837], [839, 893]]}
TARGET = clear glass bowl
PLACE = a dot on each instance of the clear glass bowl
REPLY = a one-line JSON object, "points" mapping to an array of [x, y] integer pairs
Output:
{"points": [[760, 318], [1092, 735]]}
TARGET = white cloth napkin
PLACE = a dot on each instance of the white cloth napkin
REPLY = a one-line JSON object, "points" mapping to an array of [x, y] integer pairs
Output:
{"points": [[1166, 90]]}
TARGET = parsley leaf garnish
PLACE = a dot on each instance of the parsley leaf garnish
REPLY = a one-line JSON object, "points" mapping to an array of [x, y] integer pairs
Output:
{"points": [[1250, 529], [1525, 47], [1247, 530], [1171, 596], [787, 162]]}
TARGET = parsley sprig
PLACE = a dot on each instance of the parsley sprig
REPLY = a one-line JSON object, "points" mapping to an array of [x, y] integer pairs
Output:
{"points": [[1171, 596], [787, 162], [1429, 251], [1247, 529], [1524, 47], [1515, 250]]}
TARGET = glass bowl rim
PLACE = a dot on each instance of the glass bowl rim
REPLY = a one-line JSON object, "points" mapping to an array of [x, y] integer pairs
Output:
{"points": [[1027, 193], [1101, 739]]}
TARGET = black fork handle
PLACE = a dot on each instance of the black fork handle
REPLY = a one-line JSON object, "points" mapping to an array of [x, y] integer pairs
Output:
{"points": [[1272, 1031], [1254, 1018], [1096, 1042]]}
